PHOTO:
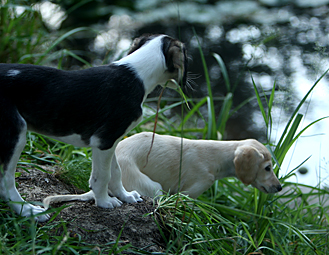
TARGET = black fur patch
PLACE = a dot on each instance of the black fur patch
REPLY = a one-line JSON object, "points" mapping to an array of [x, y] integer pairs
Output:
{"points": [[11, 125], [100, 101]]}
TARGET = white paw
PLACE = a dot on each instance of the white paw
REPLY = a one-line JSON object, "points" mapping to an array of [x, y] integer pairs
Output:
{"points": [[42, 218], [130, 197], [31, 210], [108, 202]]}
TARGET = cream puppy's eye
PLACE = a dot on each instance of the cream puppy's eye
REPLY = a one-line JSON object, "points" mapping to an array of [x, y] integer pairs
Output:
{"points": [[268, 168]]}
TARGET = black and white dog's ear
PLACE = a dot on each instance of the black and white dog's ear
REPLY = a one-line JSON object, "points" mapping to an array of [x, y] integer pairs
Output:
{"points": [[174, 51], [139, 42], [176, 56]]}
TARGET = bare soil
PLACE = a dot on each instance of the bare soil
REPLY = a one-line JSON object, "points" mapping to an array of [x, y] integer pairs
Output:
{"points": [[96, 225]]}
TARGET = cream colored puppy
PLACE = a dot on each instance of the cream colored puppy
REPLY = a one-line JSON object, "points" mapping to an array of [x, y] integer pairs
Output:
{"points": [[203, 162]]}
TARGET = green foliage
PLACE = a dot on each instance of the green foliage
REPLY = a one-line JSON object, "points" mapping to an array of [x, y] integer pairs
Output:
{"points": [[48, 55], [24, 38], [229, 225], [21, 31]]}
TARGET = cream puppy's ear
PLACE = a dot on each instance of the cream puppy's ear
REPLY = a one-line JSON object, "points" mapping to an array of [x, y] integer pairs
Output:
{"points": [[246, 162]]}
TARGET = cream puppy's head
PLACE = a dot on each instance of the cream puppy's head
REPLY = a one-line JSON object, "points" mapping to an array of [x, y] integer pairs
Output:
{"points": [[253, 165]]}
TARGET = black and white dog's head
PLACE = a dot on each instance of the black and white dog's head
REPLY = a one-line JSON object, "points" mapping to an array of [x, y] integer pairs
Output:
{"points": [[175, 57]]}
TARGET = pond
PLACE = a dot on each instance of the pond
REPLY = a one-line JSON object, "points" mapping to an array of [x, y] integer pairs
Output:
{"points": [[276, 42]]}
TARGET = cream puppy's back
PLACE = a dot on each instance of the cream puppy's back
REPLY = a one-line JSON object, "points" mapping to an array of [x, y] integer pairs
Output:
{"points": [[164, 162]]}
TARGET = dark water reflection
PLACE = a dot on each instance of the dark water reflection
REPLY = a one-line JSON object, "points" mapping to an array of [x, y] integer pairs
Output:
{"points": [[267, 51]]}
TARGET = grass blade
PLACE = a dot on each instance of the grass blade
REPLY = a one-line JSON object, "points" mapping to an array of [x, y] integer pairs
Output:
{"points": [[259, 101], [298, 107], [223, 70], [212, 131], [224, 113], [192, 111]]}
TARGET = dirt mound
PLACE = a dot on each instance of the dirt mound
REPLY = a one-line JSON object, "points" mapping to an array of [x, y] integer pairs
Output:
{"points": [[96, 225]]}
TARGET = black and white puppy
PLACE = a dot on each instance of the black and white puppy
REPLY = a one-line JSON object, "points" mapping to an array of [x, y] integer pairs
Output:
{"points": [[94, 107]]}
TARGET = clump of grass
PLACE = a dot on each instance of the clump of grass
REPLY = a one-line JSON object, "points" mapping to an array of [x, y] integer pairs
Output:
{"points": [[24, 38], [230, 224], [76, 173]]}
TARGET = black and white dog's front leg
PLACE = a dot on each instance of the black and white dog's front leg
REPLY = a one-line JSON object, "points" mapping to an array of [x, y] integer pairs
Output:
{"points": [[105, 171]]}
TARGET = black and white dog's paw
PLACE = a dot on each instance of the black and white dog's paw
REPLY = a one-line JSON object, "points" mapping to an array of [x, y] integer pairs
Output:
{"points": [[36, 211], [121, 193], [130, 197], [108, 202]]}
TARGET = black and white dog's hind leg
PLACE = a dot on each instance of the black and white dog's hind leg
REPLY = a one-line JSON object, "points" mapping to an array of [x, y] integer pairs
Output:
{"points": [[100, 176], [155, 60], [12, 142]]}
